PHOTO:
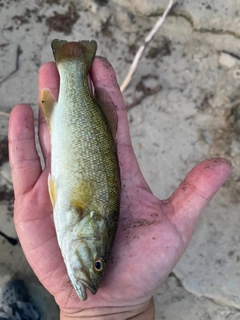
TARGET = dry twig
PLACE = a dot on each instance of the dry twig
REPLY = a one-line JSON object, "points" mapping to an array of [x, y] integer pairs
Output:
{"points": [[4, 114], [142, 48]]}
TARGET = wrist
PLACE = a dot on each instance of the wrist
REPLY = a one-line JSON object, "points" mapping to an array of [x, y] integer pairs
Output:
{"points": [[144, 311]]}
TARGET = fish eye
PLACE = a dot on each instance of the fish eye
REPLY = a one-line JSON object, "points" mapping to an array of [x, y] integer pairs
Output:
{"points": [[99, 265]]}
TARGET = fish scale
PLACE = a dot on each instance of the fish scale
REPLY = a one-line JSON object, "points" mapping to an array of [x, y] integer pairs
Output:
{"points": [[84, 184]]}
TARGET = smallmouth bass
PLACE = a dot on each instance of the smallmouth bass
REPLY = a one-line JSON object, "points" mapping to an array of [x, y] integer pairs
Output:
{"points": [[84, 184]]}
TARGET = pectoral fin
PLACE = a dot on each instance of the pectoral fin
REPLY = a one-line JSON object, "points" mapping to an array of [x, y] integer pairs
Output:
{"points": [[110, 110], [48, 102], [52, 189], [81, 195]]}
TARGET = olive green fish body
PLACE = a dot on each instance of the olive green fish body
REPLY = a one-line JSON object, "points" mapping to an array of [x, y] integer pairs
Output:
{"points": [[84, 182]]}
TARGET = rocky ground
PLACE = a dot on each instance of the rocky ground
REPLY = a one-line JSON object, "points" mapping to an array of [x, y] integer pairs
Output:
{"points": [[184, 106]]}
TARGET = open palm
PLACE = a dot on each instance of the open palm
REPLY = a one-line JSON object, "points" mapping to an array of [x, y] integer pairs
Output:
{"points": [[152, 234]]}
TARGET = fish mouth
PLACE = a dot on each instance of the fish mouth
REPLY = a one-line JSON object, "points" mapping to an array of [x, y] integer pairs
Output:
{"points": [[81, 290], [88, 285], [81, 286]]}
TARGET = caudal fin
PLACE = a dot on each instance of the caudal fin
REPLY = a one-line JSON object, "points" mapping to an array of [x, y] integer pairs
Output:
{"points": [[82, 50]]}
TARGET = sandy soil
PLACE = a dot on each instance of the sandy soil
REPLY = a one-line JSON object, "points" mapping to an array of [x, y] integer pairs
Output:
{"points": [[185, 107]]}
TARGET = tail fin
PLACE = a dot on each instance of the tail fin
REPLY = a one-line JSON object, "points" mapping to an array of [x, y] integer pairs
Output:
{"points": [[82, 50]]}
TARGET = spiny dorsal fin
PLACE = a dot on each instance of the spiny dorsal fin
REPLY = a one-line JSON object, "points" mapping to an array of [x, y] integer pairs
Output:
{"points": [[109, 108], [82, 50]]}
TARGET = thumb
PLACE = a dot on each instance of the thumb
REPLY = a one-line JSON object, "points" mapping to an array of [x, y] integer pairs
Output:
{"points": [[195, 192]]}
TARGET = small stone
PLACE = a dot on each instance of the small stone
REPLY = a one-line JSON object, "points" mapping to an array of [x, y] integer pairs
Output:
{"points": [[226, 60]]}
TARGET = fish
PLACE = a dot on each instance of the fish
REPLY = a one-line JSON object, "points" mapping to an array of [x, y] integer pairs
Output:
{"points": [[84, 183]]}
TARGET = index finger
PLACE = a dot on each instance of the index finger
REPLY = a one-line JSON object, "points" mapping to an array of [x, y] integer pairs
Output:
{"points": [[24, 159]]}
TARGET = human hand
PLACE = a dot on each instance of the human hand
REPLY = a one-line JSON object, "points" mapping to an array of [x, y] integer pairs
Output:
{"points": [[152, 234]]}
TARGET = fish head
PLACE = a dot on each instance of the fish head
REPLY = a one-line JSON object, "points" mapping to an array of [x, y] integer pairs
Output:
{"points": [[85, 252], [85, 271]]}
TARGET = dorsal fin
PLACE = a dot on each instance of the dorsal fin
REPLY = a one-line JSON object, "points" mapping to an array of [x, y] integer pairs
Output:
{"points": [[108, 107]]}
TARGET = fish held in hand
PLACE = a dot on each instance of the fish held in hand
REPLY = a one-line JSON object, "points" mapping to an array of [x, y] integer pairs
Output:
{"points": [[84, 183]]}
